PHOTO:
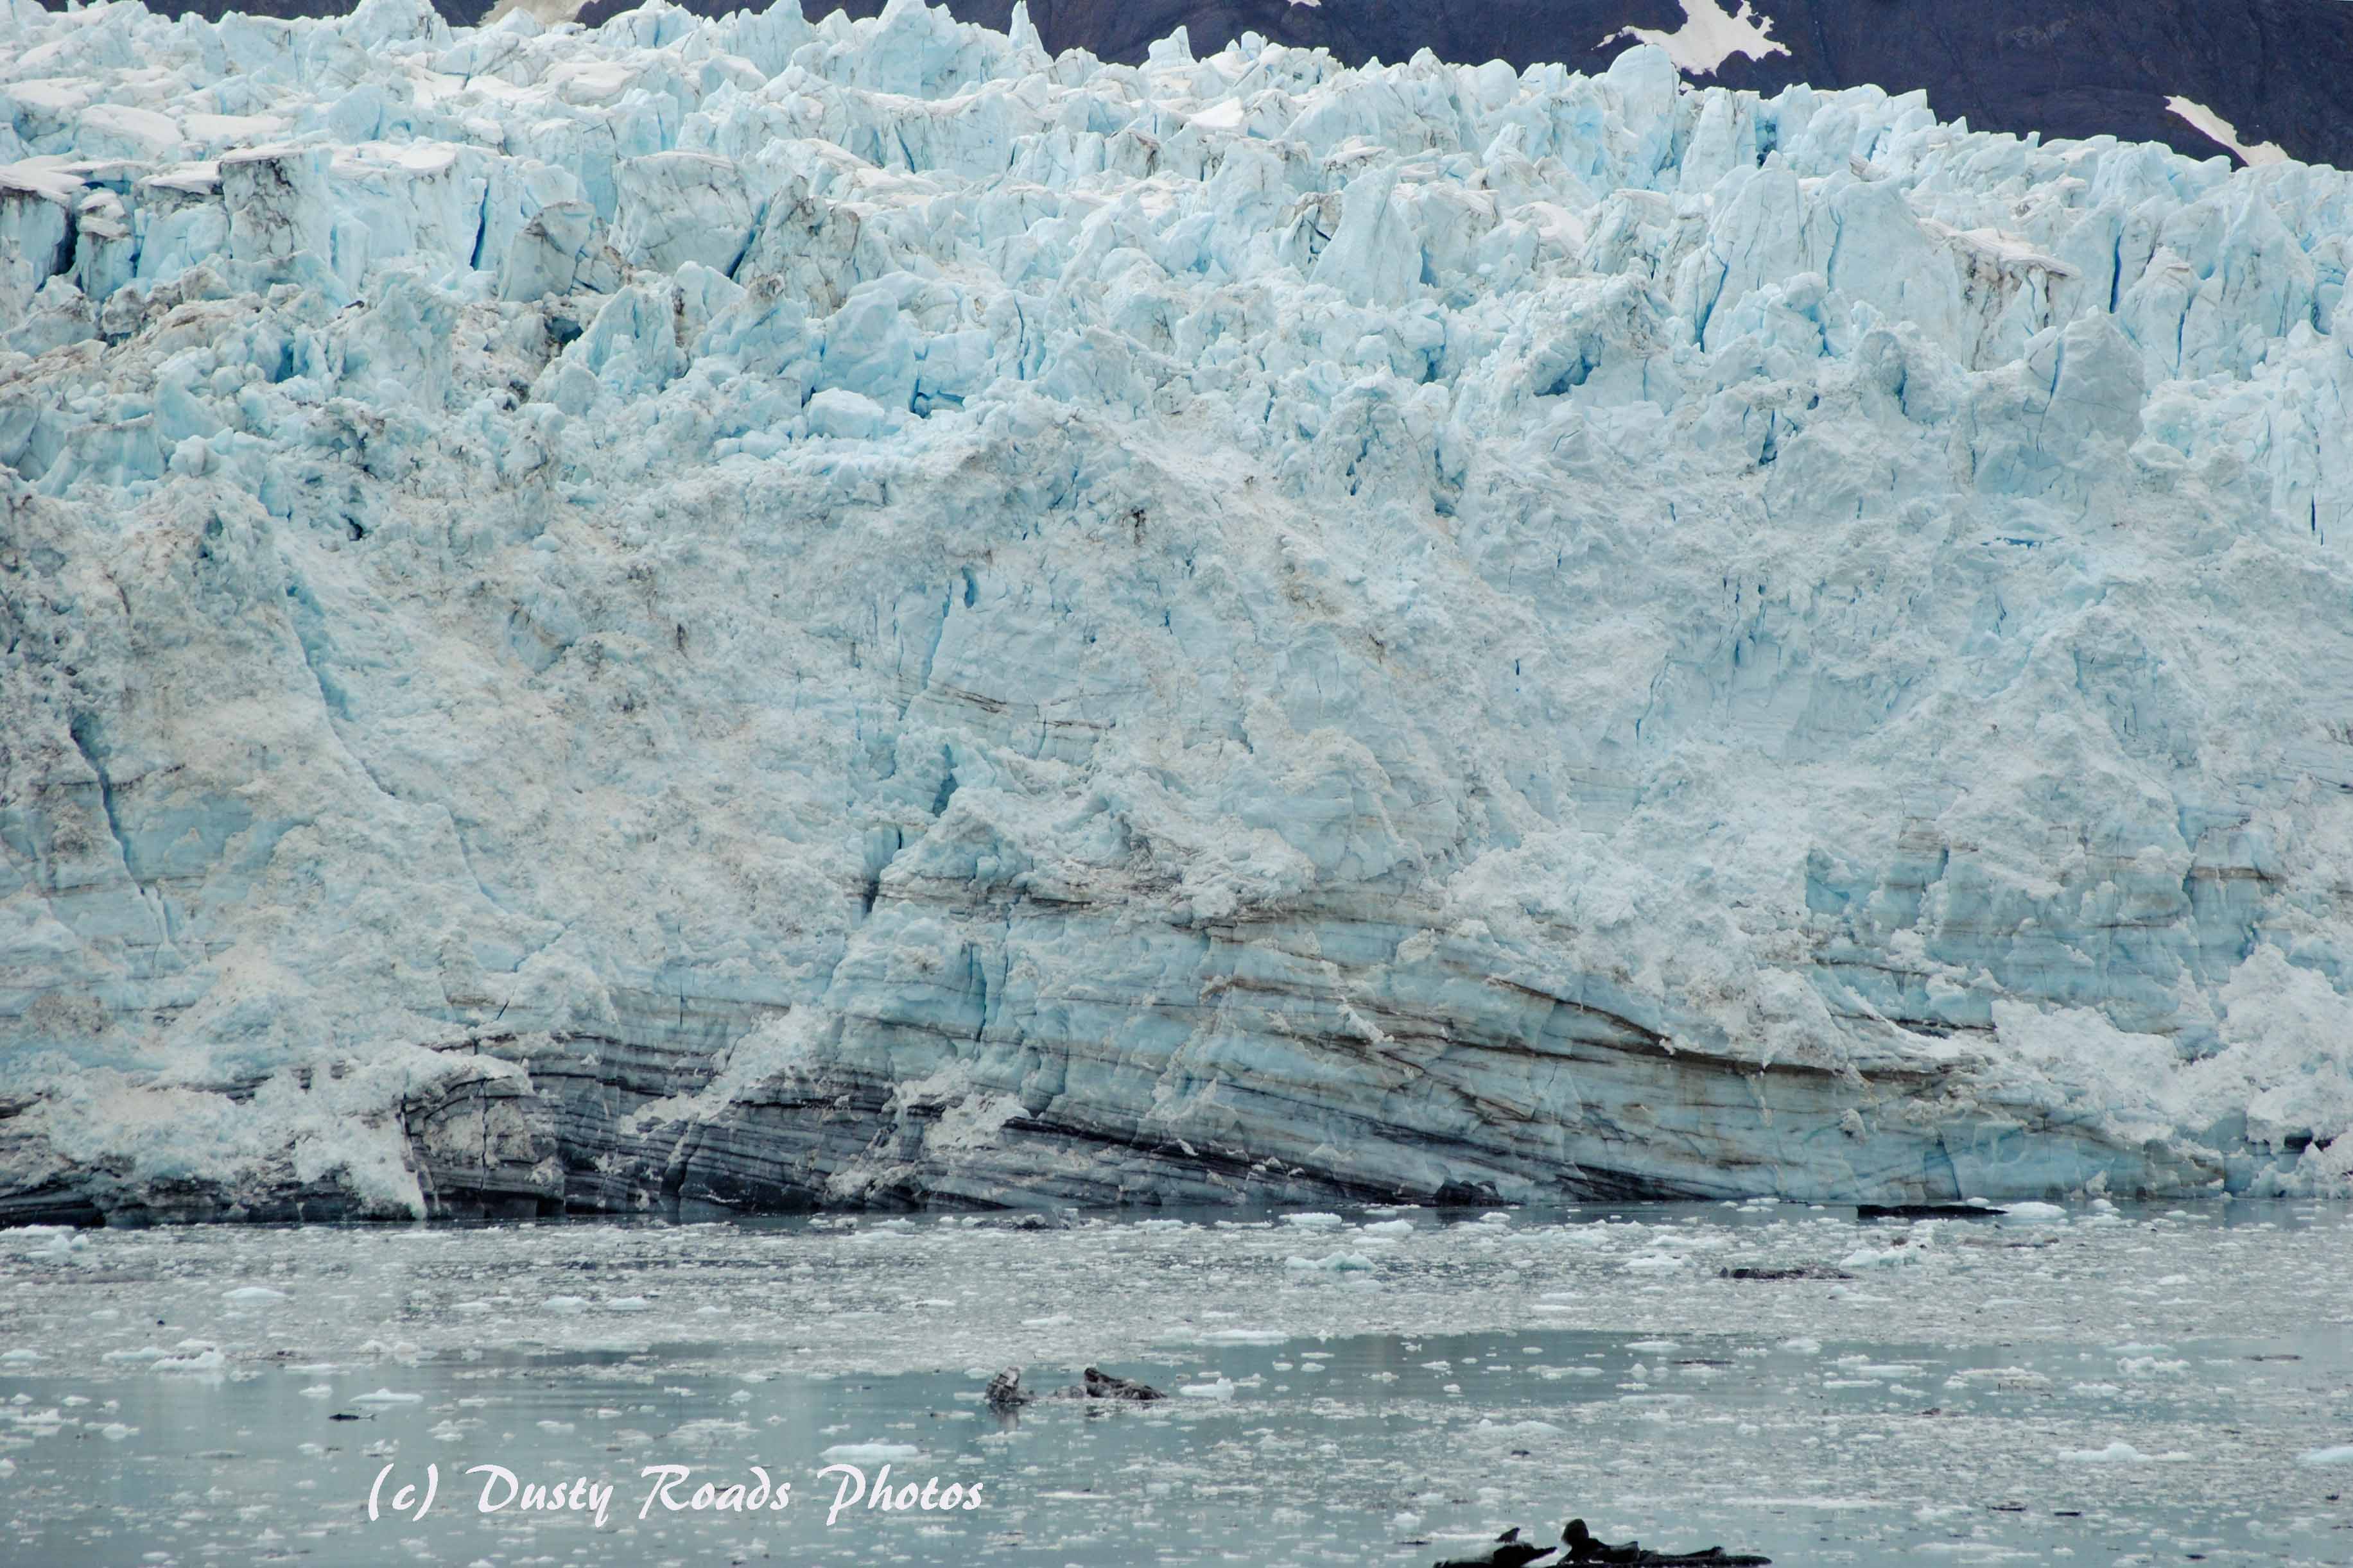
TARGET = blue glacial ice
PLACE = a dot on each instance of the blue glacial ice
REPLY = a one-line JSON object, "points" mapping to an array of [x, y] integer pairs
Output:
{"points": [[849, 613]]}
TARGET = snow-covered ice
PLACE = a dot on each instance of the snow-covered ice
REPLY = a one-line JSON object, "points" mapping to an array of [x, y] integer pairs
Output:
{"points": [[849, 613]]}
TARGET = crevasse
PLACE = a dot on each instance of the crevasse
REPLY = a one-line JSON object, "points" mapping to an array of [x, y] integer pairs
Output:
{"points": [[787, 613]]}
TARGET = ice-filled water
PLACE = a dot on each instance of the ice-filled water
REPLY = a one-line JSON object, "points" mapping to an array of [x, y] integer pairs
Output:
{"points": [[2085, 1385]]}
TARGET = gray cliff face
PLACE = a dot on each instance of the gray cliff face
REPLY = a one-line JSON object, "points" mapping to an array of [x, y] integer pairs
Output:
{"points": [[785, 615]]}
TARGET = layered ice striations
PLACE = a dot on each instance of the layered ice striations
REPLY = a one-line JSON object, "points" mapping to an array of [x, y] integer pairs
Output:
{"points": [[852, 613]]}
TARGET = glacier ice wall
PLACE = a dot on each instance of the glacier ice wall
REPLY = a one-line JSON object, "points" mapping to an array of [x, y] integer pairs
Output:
{"points": [[783, 614]]}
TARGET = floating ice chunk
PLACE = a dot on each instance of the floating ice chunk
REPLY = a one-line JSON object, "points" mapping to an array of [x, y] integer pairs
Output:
{"points": [[2118, 1453], [1390, 1227], [566, 1305], [2341, 1454], [2033, 1213], [1223, 1388], [1802, 1346], [1246, 1336], [1315, 1220], [49, 1241], [253, 1295], [2006, 1377], [710, 1432], [1331, 1263], [20, 1356], [1883, 1257], [2150, 1366], [871, 1453], [385, 1396], [628, 1304], [319, 1391]]}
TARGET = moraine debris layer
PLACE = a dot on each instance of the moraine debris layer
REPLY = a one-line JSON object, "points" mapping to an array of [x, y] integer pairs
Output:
{"points": [[852, 613]]}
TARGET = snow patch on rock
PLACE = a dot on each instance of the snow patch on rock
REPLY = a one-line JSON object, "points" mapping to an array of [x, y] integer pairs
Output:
{"points": [[2222, 131], [1710, 36]]}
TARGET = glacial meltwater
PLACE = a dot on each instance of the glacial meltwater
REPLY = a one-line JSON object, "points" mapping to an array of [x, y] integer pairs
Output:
{"points": [[2087, 1384]]}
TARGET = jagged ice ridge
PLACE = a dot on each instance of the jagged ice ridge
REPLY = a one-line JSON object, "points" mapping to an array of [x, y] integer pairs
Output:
{"points": [[853, 614]]}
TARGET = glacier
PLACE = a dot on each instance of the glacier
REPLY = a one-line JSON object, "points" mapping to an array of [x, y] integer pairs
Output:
{"points": [[786, 614]]}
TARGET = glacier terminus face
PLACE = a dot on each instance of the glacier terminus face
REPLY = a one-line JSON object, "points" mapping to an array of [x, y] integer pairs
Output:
{"points": [[850, 614]]}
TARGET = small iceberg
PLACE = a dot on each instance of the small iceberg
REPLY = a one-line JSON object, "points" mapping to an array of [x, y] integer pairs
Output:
{"points": [[1331, 1263], [871, 1453]]}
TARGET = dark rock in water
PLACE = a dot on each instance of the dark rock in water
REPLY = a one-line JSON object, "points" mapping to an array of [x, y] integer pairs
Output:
{"points": [[1585, 1547], [1926, 1211], [1102, 1385], [1005, 1391], [1509, 1551], [1096, 1384], [1802, 1271]]}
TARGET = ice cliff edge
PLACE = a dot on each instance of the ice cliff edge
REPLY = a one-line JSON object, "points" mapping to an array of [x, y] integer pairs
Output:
{"points": [[851, 613]]}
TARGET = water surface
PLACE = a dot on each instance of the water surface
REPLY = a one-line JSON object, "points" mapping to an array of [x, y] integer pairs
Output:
{"points": [[2098, 1385]]}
